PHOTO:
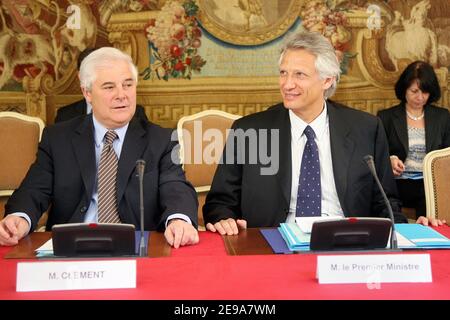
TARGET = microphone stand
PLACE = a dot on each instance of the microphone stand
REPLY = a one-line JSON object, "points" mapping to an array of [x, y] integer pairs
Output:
{"points": [[140, 165], [370, 163]]}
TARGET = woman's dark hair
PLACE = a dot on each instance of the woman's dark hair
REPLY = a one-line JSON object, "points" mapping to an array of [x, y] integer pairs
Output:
{"points": [[427, 81]]}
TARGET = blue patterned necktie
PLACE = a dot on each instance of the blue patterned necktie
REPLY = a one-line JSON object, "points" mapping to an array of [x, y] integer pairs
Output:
{"points": [[309, 191]]}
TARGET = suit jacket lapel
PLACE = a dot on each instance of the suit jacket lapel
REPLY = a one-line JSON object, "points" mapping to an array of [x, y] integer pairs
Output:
{"points": [[83, 144], [400, 127], [285, 167], [133, 148], [342, 147]]}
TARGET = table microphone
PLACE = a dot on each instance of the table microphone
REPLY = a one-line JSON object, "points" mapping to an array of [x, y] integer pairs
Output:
{"points": [[369, 160], [140, 166]]}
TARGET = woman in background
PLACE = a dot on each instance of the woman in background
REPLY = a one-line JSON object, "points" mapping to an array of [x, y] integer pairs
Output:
{"points": [[414, 128]]}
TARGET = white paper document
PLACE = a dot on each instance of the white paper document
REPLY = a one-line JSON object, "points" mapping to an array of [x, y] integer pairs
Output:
{"points": [[305, 223], [45, 250]]}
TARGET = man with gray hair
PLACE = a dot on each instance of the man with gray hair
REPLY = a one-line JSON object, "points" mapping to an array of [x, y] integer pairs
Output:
{"points": [[81, 107], [321, 149], [85, 167]]}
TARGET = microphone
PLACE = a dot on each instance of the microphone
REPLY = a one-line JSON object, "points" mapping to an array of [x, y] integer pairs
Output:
{"points": [[140, 166], [369, 161]]}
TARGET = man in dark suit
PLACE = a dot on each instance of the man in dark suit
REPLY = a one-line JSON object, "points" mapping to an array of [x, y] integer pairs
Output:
{"points": [[245, 193], [80, 107], [67, 170]]}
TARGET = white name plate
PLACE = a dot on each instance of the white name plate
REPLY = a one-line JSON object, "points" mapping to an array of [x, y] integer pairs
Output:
{"points": [[373, 269], [75, 275]]}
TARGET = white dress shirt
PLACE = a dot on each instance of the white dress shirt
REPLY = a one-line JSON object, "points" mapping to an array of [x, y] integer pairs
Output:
{"points": [[330, 201]]}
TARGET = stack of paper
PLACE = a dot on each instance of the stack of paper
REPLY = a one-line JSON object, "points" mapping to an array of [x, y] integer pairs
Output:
{"points": [[305, 223], [295, 238], [46, 250]]}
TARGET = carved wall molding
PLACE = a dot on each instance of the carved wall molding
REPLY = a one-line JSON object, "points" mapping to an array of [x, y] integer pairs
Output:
{"points": [[167, 106], [168, 115], [124, 41], [213, 84], [135, 21], [125, 31], [13, 101], [14, 108]]}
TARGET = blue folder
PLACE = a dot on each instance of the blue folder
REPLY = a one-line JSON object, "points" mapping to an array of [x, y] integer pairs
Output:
{"points": [[276, 242], [422, 237]]}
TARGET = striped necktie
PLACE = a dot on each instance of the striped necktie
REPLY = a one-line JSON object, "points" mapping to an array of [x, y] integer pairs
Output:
{"points": [[108, 211]]}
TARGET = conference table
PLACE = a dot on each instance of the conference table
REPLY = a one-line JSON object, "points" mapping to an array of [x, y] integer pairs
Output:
{"points": [[227, 267]]}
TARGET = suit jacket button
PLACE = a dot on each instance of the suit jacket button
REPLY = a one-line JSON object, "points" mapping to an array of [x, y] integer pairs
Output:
{"points": [[83, 209]]}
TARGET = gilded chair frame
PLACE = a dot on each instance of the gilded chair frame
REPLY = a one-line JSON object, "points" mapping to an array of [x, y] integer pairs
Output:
{"points": [[204, 188], [434, 181]]}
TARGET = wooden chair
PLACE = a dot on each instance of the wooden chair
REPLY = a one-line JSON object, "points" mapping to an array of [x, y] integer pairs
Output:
{"points": [[436, 177], [202, 137], [19, 138]]}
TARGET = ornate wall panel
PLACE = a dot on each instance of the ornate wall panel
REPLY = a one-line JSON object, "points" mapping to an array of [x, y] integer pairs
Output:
{"points": [[40, 41]]}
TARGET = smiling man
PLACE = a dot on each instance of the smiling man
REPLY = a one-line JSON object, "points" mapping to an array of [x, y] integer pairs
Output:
{"points": [[85, 167], [321, 149]]}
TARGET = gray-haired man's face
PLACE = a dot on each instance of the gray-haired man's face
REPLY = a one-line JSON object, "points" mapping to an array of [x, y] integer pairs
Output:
{"points": [[300, 85], [113, 95]]}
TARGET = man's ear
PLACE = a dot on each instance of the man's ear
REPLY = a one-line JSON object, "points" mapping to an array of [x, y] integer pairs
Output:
{"points": [[87, 94], [328, 82]]}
